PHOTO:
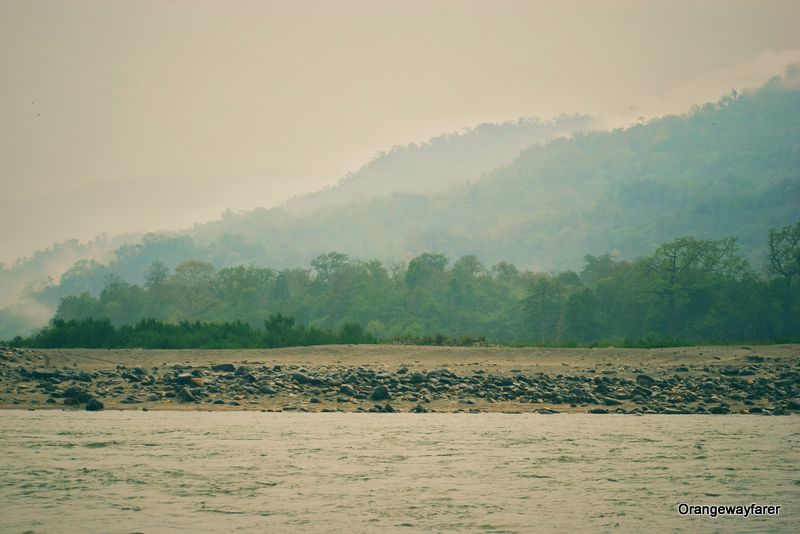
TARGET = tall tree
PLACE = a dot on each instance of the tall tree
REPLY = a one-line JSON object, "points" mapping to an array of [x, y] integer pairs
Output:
{"points": [[681, 271], [784, 263]]}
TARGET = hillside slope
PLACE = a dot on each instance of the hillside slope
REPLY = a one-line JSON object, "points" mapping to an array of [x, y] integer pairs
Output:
{"points": [[730, 168], [442, 162]]}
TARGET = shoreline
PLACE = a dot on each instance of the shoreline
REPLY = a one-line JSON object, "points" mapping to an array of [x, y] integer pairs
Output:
{"points": [[399, 378]]}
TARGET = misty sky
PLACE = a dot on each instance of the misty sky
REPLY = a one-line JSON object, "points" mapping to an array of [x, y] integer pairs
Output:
{"points": [[145, 115]]}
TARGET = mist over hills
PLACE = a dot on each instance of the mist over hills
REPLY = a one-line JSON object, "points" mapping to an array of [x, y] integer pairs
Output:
{"points": [[442, 162], [729, 168], [73, 265]]}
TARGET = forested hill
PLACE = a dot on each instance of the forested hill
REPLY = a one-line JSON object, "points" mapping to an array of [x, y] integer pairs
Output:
{"points": [[442, 162], [425, 168], [729, 168]]}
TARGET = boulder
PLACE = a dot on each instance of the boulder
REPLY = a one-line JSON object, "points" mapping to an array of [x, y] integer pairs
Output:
{"points": [[184, 378], [379, 393], [300, 378], [94, 405], [417, 378], [78, 395], [645, 380], [186, 396]]}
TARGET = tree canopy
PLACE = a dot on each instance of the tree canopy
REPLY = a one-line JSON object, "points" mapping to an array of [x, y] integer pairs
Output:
{"points": [[686, 291]]}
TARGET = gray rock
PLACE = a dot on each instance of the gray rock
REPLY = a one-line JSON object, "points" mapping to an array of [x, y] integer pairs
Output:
{"points": [[94, 405], [184, 378], [224, 368], [78, 395], [380, 393], [44, 373], [186, 396], [417, 378], [645, 380], [300, 378], [602, 388], [347, 389]]}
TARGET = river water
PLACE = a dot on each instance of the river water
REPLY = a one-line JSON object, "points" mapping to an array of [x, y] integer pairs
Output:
{"points": [[163, 471]]}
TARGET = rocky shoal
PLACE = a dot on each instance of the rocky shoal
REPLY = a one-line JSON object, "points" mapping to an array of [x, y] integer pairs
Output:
{"points": [[761, 387]]}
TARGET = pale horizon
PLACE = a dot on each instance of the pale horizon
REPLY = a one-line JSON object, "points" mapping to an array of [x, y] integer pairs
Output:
{"points": [[125, 108]]}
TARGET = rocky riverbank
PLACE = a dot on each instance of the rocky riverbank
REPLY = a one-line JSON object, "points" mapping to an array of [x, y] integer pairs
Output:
{"points": [[752, 381]]}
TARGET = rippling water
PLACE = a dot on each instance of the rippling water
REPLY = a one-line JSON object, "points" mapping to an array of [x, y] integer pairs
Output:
{"points": [[262, 472]]}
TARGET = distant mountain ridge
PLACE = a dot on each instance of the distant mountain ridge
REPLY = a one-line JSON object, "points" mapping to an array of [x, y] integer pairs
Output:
{"points": [[728, 168], [425, 168], [442, 162]]}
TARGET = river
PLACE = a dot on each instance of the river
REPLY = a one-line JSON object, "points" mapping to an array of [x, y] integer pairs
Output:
{"points": [[157, 471]]}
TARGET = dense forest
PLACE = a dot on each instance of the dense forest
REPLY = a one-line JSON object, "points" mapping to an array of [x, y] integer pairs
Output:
{"points": [[686, 291], [728, 168], [277, 331]]}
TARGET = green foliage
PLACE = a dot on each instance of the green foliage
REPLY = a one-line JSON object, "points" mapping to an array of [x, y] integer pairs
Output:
{"points": [[728, 168], [784, 266], [153, 334], [686, 291]]}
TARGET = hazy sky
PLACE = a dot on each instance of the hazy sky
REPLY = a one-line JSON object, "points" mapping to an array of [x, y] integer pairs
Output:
{"points": [[137, 115]]}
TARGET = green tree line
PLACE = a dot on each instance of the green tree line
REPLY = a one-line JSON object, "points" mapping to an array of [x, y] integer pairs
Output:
{"points": [[277, 331], [686, 291]]}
